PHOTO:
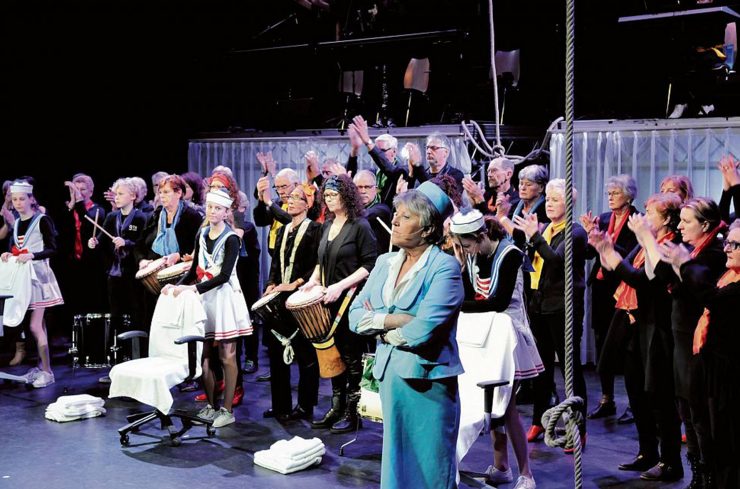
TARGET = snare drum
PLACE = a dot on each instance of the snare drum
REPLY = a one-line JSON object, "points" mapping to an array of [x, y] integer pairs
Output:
{"points": [[94, 342], [267, 309], [148, 275], [173, 274], [369, 406], [315, 322]]}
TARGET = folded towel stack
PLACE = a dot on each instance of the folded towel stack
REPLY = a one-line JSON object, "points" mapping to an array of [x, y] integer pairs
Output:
{"points": [[72, 408], [286, 456]]}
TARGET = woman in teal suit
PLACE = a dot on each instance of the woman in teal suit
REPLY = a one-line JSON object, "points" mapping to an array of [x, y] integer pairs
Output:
{"points": [[411, 302]]}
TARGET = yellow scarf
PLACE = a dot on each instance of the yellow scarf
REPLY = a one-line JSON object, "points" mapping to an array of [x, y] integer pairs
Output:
{"points": [[550, 232], [274, 229]]}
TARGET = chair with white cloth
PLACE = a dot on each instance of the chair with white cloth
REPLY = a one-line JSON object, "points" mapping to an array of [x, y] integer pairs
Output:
{"points": [[174, 357]]}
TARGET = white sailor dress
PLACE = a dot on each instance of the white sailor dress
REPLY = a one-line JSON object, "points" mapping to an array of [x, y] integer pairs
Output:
{"points": [[225, 306], [44, 287]]}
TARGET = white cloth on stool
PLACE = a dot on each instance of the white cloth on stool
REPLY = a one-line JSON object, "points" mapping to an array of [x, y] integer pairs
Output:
{"points": [[287, 456], [72, 408], [149, 380], [487, 342], [15, 280]]}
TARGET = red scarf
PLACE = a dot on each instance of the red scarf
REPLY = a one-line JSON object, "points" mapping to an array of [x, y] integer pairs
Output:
{"points": [[706, 240], [614, 229], [78, 225], [702, 327], [625, 295]]}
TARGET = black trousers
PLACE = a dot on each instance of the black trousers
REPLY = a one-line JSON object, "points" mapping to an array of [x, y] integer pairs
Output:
{"points": [[280, 375], [549, 332]]}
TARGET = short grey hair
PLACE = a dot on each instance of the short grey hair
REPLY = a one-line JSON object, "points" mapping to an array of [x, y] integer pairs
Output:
{"points": [[735, 224], [159, 176], [128, 183], [438, 136], [625, 183], [363, 173], [223, 169], [290, 174], [504, 163], [141, 188], [535, 173], [387, 138], [557, 186], [419, 205]]}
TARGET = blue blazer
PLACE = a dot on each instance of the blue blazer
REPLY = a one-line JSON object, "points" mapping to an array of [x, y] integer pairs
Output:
{"points": [[434, 298]]}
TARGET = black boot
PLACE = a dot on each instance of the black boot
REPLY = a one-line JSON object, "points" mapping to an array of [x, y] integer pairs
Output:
{"points": [[338, 405], [697, 472], [351, 419]]}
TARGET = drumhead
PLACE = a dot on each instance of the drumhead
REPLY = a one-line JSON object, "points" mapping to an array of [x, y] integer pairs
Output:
{"points": [[266, 299], [175, 270], [153, 267], [302, 298]]}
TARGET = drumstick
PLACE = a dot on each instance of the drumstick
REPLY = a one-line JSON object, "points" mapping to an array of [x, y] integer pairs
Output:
{"points": [[101, 228], [97, 211], [390, 245]]}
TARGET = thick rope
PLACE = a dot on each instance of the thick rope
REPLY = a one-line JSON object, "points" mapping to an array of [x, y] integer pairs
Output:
{"points": [[494, 73]]}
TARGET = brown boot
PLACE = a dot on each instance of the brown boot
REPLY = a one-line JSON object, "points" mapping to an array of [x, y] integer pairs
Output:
{"points": [[20, 353]]}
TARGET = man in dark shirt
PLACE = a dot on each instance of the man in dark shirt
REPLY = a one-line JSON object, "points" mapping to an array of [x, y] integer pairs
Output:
{"points": [[437, 153], [374, 209], [500, 171]]}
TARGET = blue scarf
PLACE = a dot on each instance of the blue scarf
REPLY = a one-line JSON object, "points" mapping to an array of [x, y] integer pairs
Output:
{"points": [[520, 206], [166, 241]]}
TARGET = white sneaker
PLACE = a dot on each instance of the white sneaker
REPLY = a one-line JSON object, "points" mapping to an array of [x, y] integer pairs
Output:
{"points": [[43, 378], [524, 482], [496, 476], [707, 109], [31, 375], [677, 111], [223, 418], [207, 413]]}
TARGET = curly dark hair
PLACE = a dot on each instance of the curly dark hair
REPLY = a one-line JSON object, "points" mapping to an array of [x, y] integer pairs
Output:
{"points": [[349, 195], [450, 187]]}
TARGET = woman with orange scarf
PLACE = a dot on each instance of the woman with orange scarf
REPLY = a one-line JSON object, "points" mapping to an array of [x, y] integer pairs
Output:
{"points": [[642, 318], [700, 224], [715, 391]]}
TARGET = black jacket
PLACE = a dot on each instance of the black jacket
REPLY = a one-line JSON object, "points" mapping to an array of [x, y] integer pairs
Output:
{"points": [[186, 232]]}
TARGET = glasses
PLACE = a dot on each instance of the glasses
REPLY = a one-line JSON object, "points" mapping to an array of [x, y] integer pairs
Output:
{"points": [[296, 198], [614, 193], [365, 187], [435, 148], [281, 187], [332, 195], [732, 245], [385, 150]]}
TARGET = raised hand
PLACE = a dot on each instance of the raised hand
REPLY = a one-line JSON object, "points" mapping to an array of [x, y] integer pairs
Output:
{"points": [[312, 165], [503, 206], [589, 222], [528, 225], [675, 254], [267, 162], [401, 186], [360, 126], [730, 171], [355, 140], [475, 194], [263, 189]]}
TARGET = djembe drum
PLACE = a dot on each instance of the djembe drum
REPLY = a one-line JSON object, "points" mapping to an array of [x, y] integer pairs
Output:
{"points": [[316, 325], [148, 275], [173, 274]]}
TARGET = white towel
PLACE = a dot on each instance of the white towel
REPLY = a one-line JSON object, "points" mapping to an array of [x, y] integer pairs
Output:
{"points": [[71, 408], [266, 459], [296, 447]]}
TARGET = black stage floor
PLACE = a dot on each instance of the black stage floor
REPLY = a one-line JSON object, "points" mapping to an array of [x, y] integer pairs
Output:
{"points": [[36, 453]]}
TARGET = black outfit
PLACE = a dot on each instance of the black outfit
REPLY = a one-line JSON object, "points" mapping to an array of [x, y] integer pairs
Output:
{"points": [[489, 201], [423, 174], [546, 312], [520, 240], [186, 232], [731, 195], [248, 272], [507, 274], [392, 170], [126, 295], [308, 366], [353, 248], [88, 268], [382, 238], [146, 207], [715, 391], [685, 313], [648, 363]]}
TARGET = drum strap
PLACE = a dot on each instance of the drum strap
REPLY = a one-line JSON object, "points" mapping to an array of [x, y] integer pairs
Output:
{"points": [[345, 303], [288, 353], [288, 270]]}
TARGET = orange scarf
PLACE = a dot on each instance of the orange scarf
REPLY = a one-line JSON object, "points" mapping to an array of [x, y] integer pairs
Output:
{"points": [[613, 231], [537, 262], [700, 333], [625, 295]]}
